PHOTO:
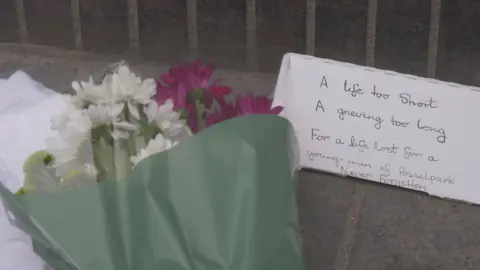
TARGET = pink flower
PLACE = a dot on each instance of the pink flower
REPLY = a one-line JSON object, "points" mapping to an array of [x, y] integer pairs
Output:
{"points": [[256, 105], [243, 106], [193, 75], [182, 80], [227, 111], [177, 93]]}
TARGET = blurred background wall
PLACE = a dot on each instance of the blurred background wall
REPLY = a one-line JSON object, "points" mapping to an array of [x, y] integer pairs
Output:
{"points": [[402, 32]]}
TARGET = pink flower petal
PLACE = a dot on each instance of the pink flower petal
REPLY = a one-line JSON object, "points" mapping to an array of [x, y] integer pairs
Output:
{"points": [[256, 105], [181, 96], [220, 90], [167, 79], [277, 110]]}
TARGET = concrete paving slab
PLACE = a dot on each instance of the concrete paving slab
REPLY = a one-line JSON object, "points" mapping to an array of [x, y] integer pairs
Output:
{"points": [[323, 202], [60, 74], [9, 63], [401, 230]]}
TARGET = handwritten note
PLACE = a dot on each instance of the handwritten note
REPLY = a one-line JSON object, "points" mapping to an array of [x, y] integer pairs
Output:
{"points": [[383, 126]]}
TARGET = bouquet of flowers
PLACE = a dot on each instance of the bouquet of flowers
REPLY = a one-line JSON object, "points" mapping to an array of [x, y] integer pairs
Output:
{"points": [[162, 174]]}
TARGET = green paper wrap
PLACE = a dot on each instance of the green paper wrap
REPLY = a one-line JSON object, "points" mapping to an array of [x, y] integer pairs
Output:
{"points": [[221, 200]]}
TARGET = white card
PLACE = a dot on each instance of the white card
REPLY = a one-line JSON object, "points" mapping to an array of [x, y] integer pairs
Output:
{"points": [[383, 126]]}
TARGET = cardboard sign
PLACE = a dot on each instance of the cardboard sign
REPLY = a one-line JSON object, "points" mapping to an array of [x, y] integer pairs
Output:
{"points": [[383, 126]]}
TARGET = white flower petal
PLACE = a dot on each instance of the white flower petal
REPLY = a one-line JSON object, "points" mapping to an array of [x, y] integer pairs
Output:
{"points": [[133, 110], [117, 109], [167, 106], [164, 125], [154, 146], [151, 111], [72, 145], [76, 87], [125, 125]]}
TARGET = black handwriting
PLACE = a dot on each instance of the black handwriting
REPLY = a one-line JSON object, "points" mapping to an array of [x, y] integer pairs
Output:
{"points": [[441, 138], [314, 155], [397, 123], [378, 94], [377, 119], [408, 153], [317, 136], [361, 145], [403, 171], [391, 149], [406, 98], [354, 89]]}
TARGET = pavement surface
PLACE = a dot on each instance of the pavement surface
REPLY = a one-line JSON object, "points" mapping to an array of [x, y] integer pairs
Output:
{"points": [[347, 224]]}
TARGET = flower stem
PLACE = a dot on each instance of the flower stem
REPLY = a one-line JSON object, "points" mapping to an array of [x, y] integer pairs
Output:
{"points": [[131, 141], [103, 153], [123, 149], [199, 108], [121, 159]]}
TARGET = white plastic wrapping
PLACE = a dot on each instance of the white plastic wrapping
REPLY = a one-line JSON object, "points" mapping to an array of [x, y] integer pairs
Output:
{"points": [[25, 109]]}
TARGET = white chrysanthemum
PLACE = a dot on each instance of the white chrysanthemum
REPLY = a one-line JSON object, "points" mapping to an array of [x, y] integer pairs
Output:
{"points": [[154, 146], [105, 114], [60, 121], [165, 117], [110, 115], [108, 100], [92, 93], [122, 86], [127, 86], [71, 148], [119, 102]]}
